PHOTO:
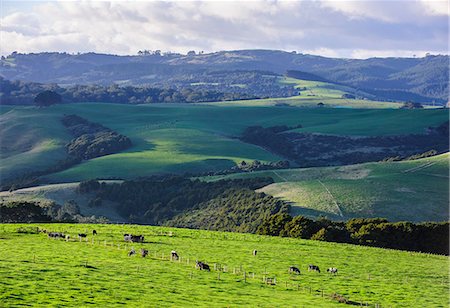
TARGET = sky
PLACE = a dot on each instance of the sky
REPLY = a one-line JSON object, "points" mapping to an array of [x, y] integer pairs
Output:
{"points": [[332, 28]]}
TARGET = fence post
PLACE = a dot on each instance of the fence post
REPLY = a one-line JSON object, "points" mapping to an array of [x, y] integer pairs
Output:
{"points": [[245, 277]]}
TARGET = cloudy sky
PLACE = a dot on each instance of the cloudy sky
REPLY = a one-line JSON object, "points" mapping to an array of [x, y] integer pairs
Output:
{"points": [[357, 29]]}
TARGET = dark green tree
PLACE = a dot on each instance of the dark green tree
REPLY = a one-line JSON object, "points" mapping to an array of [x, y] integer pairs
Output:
{"points": [[47, 98]]}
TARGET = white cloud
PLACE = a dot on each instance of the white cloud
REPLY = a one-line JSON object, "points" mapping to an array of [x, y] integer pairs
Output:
{"points": [[330, 28]]}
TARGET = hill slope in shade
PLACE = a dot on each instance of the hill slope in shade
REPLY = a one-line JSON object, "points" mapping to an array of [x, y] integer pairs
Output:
{"points": [[409, 190], [101, 273]]}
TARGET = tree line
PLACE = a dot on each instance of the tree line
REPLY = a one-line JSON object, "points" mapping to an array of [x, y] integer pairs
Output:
{"points": [[431, 237], [26, 93]]}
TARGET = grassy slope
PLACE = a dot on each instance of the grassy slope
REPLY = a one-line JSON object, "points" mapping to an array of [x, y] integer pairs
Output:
{"points": [[57, 275], [312, 93], [183, 138], [410, 190], [30, 140]]}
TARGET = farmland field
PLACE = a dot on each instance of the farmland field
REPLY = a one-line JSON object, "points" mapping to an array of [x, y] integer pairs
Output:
{"points": [[47, 272], [409, 190], [180, 138]]}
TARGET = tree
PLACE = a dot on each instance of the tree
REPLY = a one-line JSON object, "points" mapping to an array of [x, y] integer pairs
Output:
{"points": [[47, 98]]}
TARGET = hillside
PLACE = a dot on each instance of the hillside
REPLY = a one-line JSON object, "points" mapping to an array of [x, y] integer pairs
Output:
{"points": [[419, 79], [414, 190], [316, 93], [98, 271], [180, 138]]}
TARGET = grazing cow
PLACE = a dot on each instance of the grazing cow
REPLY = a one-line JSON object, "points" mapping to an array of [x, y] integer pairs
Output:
{"points": [[94, 232], [144, 252], [293, 269], [132, 252], [202, 266], [83, 235], [313, 268], [255, 252], [174, 255], [332, 270], [137, 238], [133, 238]]}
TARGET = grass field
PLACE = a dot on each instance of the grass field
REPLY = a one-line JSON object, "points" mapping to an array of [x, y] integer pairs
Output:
{"points": [[409, 190], [179, 138], [35, 270], [313, 93]]}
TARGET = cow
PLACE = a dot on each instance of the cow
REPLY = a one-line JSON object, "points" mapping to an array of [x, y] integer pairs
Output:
{"points": [[133, 238], [313, 268], [137, 238], [82, 235], [332, 270], [94, 232], [295, 270], [255, 252], [132, 252], [174, 255], [202, 266], [144, 252]]}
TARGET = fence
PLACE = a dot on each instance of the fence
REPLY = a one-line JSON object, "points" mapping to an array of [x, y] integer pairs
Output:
{"points": [[221, 269]]}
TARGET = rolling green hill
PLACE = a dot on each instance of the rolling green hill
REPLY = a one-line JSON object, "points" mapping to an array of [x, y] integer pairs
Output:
{"points": [[414, 190], [313, 93], [180, 138], [48, 272]]}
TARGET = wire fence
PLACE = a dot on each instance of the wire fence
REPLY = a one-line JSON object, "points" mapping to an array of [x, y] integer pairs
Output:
{"points": [[222, 271]]}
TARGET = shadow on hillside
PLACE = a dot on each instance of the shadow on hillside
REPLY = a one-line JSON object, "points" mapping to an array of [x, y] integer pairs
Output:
{"points": [[312, 213]]}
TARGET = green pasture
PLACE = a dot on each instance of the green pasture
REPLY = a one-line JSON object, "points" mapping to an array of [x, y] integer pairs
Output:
{"points": [[313, 93], [415, 190], [35, 270], [180, 138]]}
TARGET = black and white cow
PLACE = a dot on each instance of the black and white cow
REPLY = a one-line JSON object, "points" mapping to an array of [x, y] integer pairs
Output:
{"points": [[313, 268], [174, 255], [132, 252], [332, 270], [202, 266], [293, 269], [144, 252]]}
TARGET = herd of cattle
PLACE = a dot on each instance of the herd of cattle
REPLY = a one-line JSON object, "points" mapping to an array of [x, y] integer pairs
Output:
{"points": [[174, 255]]}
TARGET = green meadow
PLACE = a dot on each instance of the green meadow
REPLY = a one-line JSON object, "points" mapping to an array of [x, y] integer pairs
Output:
{"points": [[36, 270], [414, 190], [180, 138]]}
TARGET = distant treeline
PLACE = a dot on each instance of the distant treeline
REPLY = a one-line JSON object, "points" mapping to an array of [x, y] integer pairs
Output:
{"points": [[24, 93], [34, 211], [431, 237]]}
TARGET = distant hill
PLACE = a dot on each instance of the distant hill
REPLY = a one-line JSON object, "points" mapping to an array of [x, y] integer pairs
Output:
{"points": [[180, 138], [417, 79]]}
